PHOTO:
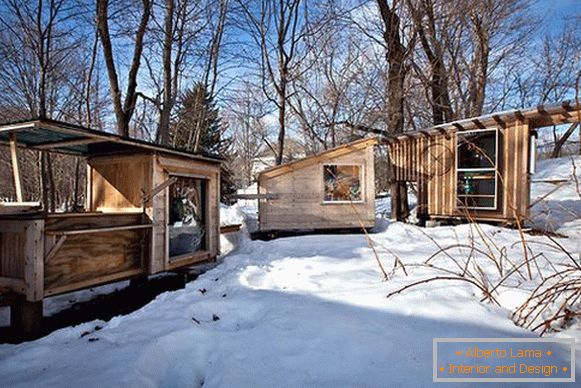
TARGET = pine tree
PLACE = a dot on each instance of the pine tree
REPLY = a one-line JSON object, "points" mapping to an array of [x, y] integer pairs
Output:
{"points": [[197, 128]]}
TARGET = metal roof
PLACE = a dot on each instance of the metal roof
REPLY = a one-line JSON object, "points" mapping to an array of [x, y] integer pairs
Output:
{"points": [[61, 137]]}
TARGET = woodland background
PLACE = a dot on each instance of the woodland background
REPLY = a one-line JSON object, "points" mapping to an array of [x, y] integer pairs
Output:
{"points": [[278, 79]]}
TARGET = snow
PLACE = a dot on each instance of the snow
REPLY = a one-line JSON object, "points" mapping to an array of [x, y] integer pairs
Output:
{"points": [[302, 311], [560, 211]]}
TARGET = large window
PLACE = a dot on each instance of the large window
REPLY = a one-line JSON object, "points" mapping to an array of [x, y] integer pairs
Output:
{"points": [[187, 216], [342, 183], [477, 153]]}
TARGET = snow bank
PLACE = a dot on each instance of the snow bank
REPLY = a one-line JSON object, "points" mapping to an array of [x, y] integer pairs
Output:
{"points": [[560, 210], [299, 311]]}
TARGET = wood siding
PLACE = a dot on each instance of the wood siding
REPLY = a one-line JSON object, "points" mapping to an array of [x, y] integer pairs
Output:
{"points": [[299, 204], [118, 182], [430, 160]]}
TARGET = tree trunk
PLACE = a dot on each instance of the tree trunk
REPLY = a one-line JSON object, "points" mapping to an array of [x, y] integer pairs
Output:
{"points": [[562, 140], [397, 70], [281, 120], [164, 116]]}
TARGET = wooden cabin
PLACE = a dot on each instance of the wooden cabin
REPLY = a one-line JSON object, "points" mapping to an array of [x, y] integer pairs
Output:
{"points": [[478, 168], [334, 189], [148, 209]]}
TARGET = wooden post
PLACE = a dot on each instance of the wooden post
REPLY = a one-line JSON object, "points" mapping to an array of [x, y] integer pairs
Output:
{"points": [[15, 169], [34, 261]]}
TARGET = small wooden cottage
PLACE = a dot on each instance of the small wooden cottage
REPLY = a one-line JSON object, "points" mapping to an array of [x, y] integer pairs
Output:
{"points": [[148, 209], [331, 190], [478, 168]]}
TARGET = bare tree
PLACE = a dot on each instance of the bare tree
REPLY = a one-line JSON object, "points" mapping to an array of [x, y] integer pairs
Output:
{"points": [[277, 27], [123, 110], [396, 53]]}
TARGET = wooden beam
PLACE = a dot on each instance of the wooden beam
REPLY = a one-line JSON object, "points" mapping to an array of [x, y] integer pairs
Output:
{"points": [[15, 168], [55, 248], [98, 230], [34, 261], [66, 143], [230, 228], [255, 196], [17, 286], [478, 123], [158, 189]]}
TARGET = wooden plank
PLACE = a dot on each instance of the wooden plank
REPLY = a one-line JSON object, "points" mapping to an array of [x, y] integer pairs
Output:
{"points": [[158, 189], [55, 248], [19, 207], [34, 261], [66, 143], [186, 261], [119, 183], [78, 221], [230, 228], [256, 196], [15, 167], [124, 275], [88, 259], [98, 230], [12, 285]]}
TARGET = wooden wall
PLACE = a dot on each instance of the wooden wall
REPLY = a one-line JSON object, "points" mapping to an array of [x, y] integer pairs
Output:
{"points": [[163, 168], [299, 204], [431, 162], [81, 252], [116, 183], [21, 257]]}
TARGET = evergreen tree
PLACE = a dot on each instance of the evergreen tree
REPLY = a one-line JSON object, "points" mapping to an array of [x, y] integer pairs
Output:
{"points": [[197, 128]]}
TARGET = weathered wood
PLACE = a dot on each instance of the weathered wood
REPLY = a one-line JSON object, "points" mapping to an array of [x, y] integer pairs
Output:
{"points": [[230, 228], [118, 183], [158, 189], [256, 196], [15, 167], [89, 258], [55, 248], [98, 230], [34, 261], [299, 191], [80, 221], [94, 281], [189, 259], [19, 207], [316, 159], [8, 285]]}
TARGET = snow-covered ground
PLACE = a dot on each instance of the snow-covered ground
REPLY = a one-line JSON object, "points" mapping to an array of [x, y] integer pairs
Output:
{"points": [[304, 311]]}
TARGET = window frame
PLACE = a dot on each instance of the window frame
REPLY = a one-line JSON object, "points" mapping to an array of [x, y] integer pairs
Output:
{"points": [[483, 169], [205, 245], [342, 202]]}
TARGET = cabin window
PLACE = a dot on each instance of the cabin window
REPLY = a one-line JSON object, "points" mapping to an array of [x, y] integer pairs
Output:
{"points": [[342, 183], [477, 161], [187, 216]]}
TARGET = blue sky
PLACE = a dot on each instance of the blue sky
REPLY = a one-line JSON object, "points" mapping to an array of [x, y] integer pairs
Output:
{"points": [[553, 11]]}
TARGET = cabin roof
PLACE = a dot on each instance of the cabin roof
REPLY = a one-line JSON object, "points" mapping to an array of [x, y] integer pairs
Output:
{"points": [[537, 117], [66, 138], [328, 154]]}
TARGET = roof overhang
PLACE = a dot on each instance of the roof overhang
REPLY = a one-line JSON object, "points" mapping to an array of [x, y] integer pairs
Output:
{"points": [[65, 138], [537, 117], [328, 154]]}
